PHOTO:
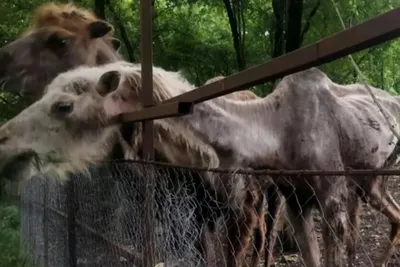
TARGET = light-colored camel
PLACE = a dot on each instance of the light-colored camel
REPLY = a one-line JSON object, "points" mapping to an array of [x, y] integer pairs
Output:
{"points": [[276, 220], [372, 190], [80, 106]]}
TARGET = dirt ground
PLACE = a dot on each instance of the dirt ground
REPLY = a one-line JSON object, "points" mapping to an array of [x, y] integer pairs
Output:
{"points": [[373, 236]]}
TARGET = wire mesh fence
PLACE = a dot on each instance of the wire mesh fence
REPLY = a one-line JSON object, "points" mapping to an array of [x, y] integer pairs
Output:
{"points": [[201, 218]]}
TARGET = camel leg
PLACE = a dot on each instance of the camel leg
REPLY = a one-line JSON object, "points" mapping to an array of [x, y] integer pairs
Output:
{"points": [[381, 200], [303, 223], [259, 240], [334, 226], [275, 202], [354, 206], [259, 232], [240, 229]]}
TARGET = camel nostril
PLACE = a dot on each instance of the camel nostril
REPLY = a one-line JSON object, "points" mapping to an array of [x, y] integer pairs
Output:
{"points": [[5, 59], [4, 135], [3, 139]]}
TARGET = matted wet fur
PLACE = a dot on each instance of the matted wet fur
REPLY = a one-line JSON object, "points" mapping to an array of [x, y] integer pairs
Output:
{"points": [[61, 37]]}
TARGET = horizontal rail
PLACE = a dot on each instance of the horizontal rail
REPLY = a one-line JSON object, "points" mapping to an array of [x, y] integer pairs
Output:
{"points": [[347, 172], [372, 32], [161, 111]]}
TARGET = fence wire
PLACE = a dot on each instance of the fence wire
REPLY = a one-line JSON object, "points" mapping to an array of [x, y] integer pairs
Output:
{"points": [[96, 219]]}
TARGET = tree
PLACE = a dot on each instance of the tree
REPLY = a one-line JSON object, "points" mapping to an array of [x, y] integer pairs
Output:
{"points": [[235, 10]]}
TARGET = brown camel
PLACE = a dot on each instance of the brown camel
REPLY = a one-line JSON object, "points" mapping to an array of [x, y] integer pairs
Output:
{"points": [[61, 37]]}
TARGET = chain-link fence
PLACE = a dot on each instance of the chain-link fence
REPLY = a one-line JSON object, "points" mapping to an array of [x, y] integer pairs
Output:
{"points": [[201, 218]]}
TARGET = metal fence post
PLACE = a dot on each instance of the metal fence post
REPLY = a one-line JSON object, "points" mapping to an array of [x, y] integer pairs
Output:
{"points": [[146, 45]]}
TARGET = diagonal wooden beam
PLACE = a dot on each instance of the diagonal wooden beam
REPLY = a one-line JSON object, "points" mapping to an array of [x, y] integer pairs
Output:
{"points": [[161, 111]]}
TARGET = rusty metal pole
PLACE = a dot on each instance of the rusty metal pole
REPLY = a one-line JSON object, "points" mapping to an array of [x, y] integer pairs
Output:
{"points": [[146, 48]]}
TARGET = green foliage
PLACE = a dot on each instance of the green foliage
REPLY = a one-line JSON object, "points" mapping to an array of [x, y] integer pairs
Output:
{"points": [[11, 255]]}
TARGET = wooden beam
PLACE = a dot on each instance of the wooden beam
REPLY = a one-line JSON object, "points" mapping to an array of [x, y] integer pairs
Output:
{"points": [[161, 111]]}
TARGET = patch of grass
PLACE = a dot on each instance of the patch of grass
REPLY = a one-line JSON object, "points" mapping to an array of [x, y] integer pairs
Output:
{"points": [[10, 253]]}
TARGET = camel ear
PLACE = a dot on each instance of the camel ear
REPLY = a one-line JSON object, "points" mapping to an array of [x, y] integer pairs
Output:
{"points": [[108, 82], [99, 29], [119, 95]]}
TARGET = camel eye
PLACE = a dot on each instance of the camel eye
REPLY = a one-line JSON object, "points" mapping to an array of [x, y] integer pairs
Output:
{"points": [[63, 108], [56, 42]]}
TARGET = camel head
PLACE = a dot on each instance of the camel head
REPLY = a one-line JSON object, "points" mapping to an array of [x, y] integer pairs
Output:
{"points": [[65, 131], [62, 37], [76, 123]]}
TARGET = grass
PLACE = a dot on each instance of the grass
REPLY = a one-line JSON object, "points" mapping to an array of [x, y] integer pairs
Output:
{"points": [[10, 253]]}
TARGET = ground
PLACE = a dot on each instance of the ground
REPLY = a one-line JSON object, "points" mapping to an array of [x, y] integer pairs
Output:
{"points": [[373, 234]]}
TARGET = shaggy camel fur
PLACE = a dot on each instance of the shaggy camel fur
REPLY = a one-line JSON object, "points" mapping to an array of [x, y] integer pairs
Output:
{"points": [[68, 130], [353, 130]]}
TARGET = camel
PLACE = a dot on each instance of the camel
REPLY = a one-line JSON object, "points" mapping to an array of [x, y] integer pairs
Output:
{"points": [[339, 120], [275, 220], [371, 190], [69, 37], [90, 121], [62, 36]]}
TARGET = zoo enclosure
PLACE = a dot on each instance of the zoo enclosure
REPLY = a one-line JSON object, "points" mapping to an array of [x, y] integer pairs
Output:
{"points": [[375, 31]]}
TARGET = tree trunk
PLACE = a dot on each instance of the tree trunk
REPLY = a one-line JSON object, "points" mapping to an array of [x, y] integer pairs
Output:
{"points": [[99, 9], [279, 8], [235, 35], [122, 31], [294, 23]]}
